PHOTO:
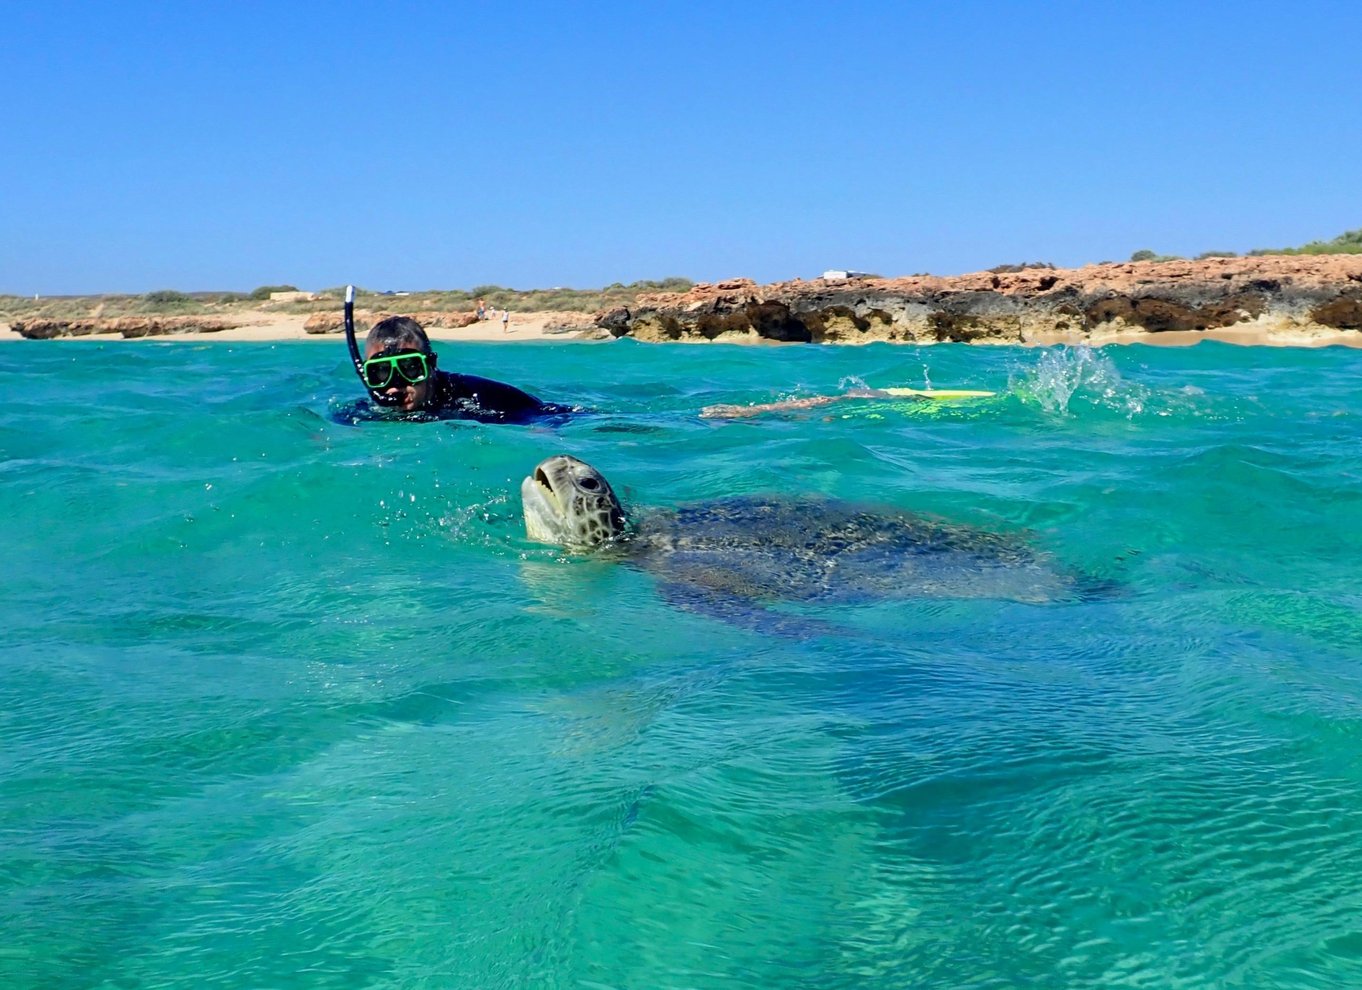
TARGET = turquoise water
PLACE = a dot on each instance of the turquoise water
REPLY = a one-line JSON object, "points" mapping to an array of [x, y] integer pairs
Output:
{"points": [[288, 702]]}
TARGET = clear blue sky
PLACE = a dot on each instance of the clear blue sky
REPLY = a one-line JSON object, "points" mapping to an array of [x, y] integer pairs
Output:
{"points": [[409, 146]]}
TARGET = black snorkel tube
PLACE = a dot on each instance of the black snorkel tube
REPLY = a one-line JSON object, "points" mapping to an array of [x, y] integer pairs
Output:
{"points": [[356, 357]]}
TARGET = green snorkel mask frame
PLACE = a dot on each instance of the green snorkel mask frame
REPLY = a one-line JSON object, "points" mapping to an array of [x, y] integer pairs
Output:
{"points": [[412, 367]]}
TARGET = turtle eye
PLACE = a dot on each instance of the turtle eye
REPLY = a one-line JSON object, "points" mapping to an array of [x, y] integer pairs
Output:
{"points": [[590, 484]]}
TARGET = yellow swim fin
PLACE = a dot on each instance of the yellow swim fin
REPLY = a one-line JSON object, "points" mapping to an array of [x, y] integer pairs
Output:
{"points": [[939, 393]]}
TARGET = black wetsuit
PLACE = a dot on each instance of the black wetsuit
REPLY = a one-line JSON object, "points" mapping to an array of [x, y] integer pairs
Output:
{"points": [[455, 396]]}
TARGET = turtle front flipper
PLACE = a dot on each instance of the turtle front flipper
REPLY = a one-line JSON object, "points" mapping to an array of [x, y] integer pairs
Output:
{"points": [[744, 612]]}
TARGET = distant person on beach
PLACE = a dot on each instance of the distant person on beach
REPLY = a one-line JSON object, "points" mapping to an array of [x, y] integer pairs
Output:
{"points": [[505, 321], [482, 310], [399, 363]]}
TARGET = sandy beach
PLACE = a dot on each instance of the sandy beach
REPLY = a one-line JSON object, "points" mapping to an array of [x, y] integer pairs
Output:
{"points": [[267, 327], [529, 327]]}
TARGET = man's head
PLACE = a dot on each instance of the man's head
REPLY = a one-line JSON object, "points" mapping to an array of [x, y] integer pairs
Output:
{"points": [[399, 363]]}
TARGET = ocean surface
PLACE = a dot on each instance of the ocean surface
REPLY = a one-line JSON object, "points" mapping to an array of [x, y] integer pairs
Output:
{"points": [[290, 701]]}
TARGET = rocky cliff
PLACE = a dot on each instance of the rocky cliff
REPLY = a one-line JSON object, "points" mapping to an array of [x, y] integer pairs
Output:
{"points": [[1272, 299]]}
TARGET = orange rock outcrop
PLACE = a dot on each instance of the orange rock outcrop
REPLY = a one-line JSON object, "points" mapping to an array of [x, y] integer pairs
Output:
{"points": [[1276, 298]]}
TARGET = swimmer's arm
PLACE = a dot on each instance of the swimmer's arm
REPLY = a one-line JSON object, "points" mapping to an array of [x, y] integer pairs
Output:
{"points": [[740, 412]]}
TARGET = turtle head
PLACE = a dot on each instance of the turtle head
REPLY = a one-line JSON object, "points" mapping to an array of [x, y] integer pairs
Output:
{"points": [[569, 502]]}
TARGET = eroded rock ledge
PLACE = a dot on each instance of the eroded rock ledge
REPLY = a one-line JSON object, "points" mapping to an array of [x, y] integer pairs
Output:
{"points": [[157, 326], [123, 326], [1272, 299]]}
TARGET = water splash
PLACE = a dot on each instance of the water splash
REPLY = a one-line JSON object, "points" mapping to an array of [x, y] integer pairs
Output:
{"points": [[1067, 375]]}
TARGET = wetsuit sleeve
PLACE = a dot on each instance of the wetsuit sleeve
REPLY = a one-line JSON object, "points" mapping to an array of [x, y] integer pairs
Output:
{"points": [[497, 400]]}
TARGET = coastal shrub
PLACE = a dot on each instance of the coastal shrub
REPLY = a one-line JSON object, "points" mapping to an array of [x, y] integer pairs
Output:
{"points": [[1216, 254], [557, 298], [1148, 255], [167, 297], [1348, 242], [263, 292], [674, 283]]}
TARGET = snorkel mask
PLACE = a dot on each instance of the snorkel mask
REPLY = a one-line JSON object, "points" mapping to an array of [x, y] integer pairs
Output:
{"points": [[394, 367], [375, 392]]}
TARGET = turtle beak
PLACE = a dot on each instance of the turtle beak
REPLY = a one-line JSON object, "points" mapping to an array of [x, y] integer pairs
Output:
{"points": [[541, 479]]}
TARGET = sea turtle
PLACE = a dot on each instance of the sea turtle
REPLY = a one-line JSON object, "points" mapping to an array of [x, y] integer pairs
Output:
{"points": [[733, 556]]}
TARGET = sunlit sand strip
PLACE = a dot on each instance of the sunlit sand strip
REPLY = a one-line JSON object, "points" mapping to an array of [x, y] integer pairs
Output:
{"points": [[520, 327]]}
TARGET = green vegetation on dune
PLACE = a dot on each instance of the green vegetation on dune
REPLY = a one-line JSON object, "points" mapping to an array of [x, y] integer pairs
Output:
{"points": [[167, 301], [171, 301], [559, 299], [1348, 242]]}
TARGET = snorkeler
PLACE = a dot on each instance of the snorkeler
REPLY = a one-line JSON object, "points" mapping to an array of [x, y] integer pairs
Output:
{"points": [[398, 368]]}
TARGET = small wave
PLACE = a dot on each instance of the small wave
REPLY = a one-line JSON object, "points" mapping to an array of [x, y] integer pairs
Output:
{"points": [[489, 522]]}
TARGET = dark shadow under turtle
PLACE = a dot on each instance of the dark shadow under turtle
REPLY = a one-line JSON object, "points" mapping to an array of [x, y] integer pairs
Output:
{"points": [[733, 557]]}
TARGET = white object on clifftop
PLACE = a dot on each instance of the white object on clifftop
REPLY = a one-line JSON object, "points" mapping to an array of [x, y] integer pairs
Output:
{"points": [[838, 275]]}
